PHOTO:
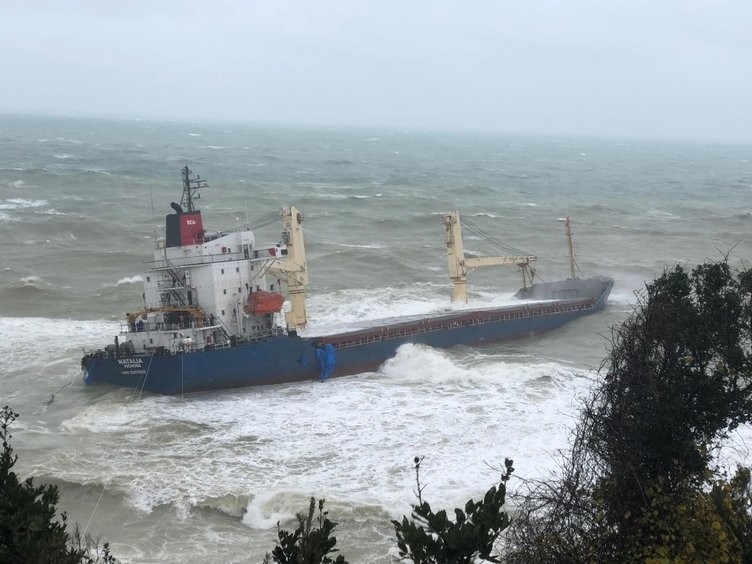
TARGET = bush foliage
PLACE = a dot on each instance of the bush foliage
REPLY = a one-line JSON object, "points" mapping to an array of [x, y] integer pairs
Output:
{"points": [[29, 530], [432, 537], [639, 483], [308, 544]]}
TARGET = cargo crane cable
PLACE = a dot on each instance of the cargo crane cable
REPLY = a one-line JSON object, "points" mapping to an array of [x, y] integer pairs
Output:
{"points": [[493, 241], [263, 221], [471, 226], [497, 243], [140, 388], [577, 265]]}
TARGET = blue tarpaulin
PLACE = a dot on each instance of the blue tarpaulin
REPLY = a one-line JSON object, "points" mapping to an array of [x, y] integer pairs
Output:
{"points": [[327, 358]]}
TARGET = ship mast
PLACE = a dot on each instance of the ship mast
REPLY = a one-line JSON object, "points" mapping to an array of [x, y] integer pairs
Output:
{"points": [[568, 227], [460, 265], [191, 186]]}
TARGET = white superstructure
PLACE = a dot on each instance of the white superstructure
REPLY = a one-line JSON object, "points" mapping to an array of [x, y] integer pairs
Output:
{"points": [[212, 289]]}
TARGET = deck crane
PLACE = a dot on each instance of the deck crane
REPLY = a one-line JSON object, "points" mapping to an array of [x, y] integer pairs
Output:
{"points": [[460, 265], [293, 267]]}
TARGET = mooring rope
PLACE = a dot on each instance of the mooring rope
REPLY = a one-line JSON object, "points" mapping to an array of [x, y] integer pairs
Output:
{"points": [[52, 396], [140, 388]]}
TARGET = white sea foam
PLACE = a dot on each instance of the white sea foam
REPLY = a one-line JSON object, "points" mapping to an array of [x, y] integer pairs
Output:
{"points": [[195, 134], [622, 298], [355, 308], [21, 203], [663, 214], [138, 278], [31, 281], [331, 196], [332, 311], [352, 246], [63, 156], [232, 505], [316, 185], [350, 440], [266, 509], [27, 342]]}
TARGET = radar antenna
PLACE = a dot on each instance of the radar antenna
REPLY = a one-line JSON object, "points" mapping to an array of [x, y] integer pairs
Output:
{"points": [[191, 186]]}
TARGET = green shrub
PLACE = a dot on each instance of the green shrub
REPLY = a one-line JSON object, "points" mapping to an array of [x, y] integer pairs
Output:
{"points": [[29, 530]]}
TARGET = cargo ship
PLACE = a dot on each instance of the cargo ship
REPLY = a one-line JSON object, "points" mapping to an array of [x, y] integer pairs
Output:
{"points": [[210, 319]]}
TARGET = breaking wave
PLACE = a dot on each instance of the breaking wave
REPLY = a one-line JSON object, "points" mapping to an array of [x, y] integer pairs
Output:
{"points": [[137, 279], [21, 203]]}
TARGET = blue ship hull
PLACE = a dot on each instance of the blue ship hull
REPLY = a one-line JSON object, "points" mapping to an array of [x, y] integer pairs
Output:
{"points": [[291, 358], [274, 361]]}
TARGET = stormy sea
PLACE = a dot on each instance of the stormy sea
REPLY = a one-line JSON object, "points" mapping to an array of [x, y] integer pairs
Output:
{"points": [[207, 477]]}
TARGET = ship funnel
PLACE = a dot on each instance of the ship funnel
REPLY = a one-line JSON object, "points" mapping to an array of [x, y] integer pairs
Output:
{"points": [[184, 229]]}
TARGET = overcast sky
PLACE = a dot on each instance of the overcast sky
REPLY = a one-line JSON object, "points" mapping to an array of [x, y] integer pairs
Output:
{"points": [[679, 69]]}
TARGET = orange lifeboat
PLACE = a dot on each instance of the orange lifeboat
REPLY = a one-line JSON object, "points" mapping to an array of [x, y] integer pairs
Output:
{"points": [[261, 302]]}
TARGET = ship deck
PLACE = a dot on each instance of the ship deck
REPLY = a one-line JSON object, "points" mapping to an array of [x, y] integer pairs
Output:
{"points": [[401, 327]]}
